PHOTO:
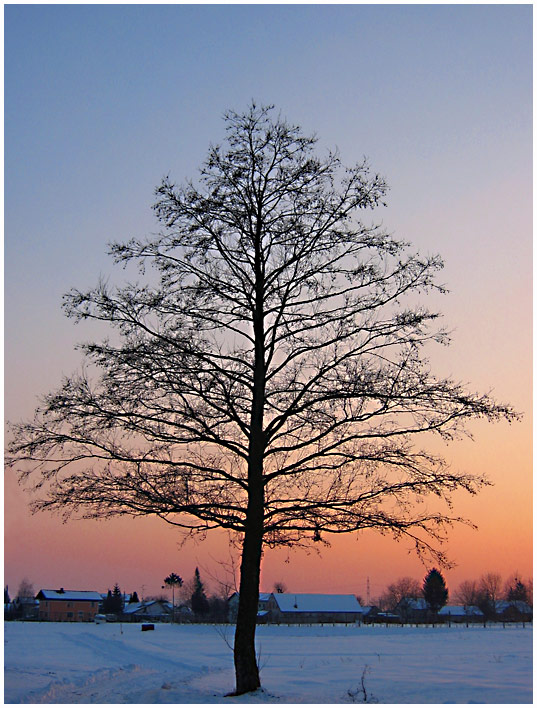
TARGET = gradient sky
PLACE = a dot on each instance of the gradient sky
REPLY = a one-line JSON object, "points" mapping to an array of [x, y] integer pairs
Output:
{"points": [[103, 101]]}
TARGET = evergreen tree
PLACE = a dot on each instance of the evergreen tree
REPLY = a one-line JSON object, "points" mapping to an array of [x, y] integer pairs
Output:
{"points": [[517, 591], [200, 604], [134, 597], [7, 599], [113, 603], [117, 598], [435, 591], [108, 603]]}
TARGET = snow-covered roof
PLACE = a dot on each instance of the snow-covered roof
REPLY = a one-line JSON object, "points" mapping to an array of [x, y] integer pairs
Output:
{"points": [[133, 607], [306, 602], [69, 595], [264, 596], [520, 605], [460, 611], [414, 603]]}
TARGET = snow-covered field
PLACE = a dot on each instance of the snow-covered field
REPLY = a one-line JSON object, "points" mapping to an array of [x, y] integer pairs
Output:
{"points": [[110, 663]]}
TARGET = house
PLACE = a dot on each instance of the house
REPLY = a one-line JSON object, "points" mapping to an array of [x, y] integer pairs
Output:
{"points": [[313, 608], [264, 598], [513, 611], [370, 613], [262, 606], [232, 607], [461, 613], [68, 605], [412, 609], [156, 610]]}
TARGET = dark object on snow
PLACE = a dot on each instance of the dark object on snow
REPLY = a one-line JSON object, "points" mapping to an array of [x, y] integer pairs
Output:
{"points": [[147, 627]]}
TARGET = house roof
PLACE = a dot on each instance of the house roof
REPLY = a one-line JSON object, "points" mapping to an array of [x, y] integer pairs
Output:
{"points": [[413, 603], [306, 602], [461, 611], [368, 608], [263, 597], [134, 607], [70, 595], [520, 605]]}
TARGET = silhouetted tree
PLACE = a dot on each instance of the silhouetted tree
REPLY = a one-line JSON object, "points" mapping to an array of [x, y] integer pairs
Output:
{"points": [[108, 603], [271, 380], [199, 603], [7, 599], [134, 597], [467, 593], [217, 609], [435, 592], [395, 592], [113, 603], [26, 590], [173, 581], [489, 592], [517, 591], [280, 587]]}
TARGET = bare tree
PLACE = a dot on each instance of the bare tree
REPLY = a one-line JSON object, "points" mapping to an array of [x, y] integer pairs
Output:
{"points": [[467, 593], [489, 592], [272, 378], [395, 592], [26, 590]]}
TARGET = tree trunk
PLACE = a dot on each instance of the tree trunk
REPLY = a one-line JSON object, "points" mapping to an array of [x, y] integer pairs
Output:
{"points": [[246, 669]]}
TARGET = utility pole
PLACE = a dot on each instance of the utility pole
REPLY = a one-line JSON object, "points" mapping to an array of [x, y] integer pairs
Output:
{"points": [[368, 592]]}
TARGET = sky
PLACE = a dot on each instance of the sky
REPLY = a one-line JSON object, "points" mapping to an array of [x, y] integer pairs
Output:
{"points": [[102, 102]]}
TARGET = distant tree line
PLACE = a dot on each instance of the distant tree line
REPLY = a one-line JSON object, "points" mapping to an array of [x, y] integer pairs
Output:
{"points": [[483, 593]]}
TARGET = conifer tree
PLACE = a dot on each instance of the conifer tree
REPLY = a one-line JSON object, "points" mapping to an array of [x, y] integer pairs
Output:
{"points": [[517, 591], [117, 599], [435, 590], [200, 604]]}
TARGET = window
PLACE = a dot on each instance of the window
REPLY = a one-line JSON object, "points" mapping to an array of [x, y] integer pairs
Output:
{"points": [[69, 615]]}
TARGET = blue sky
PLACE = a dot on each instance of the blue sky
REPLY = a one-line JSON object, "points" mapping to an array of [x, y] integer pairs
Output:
{"points": [[102, 101]]}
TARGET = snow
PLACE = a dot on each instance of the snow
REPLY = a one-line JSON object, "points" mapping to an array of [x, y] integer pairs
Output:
{"points": [[113, 663], [70, 595], [310, 602], [460, 611]]}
